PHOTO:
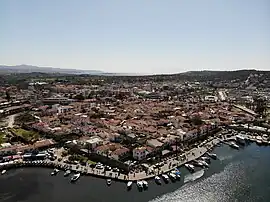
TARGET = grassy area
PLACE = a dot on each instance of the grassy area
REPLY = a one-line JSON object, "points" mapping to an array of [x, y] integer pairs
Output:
{"points": [[91, 162], [81, 158], [2, 138], [25, 134]]}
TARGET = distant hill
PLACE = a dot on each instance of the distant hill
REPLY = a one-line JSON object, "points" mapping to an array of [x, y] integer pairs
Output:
{"points": [[48, 70]]}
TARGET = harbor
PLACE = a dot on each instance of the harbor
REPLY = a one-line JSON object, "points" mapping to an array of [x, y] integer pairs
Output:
{"points": [[231, 165], [197, 157]]}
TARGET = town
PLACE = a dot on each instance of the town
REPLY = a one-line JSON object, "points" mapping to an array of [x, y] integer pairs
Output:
{"points": [[129, 128]]}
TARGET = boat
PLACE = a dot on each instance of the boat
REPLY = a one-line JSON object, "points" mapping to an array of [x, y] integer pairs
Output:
{"points": [[3, 172], [212, 155], [190, 167], [206, 159], [145, 184], [234, 145], [259, 140], [240, 139], [165, 178], [55, 171], [198, 163], [139, 184], [172, 176], [109, 182], [129, 184], [67, 173], [204, 163], [157, 180], [75, 177]]}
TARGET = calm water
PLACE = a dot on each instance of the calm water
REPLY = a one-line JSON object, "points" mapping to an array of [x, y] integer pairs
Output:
{"points": [[238, 175]]}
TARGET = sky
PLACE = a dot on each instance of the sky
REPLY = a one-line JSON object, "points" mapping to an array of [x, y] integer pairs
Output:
{"points": [[136, 36]]}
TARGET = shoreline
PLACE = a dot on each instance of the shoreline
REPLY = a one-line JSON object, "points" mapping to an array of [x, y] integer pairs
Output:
{"points": [[191, 155]]}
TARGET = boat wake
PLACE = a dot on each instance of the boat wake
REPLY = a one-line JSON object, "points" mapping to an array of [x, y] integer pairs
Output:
{"points": [[194, 176]]}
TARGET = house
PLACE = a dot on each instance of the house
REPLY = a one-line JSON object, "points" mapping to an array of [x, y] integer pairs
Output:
{"points": [[93, 142], [119, 153], [139, 153], [154, 143]]}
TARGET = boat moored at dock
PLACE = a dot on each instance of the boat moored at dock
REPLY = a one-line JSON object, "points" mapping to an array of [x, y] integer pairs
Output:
{"points": [[109, 182], [172, 176], [67, 173], [165, 178], [140, 185], [158, 180], [3, 172], [55, 171], [145, 184], [234, 145], [212, 155], [129, 185], [190, 167]]}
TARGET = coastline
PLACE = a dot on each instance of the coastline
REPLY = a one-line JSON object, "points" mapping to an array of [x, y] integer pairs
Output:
{"points": [[191, 155]]}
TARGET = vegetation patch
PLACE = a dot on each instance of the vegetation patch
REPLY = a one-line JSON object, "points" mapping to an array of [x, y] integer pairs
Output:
{"points": [[2, 137], [25, 134]]}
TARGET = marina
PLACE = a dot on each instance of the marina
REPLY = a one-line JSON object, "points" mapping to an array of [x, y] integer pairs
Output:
{"points": [[173, 174]]}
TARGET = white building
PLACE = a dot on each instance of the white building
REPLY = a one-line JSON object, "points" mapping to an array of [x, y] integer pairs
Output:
{"points": [[140, 153], [93, 142]]}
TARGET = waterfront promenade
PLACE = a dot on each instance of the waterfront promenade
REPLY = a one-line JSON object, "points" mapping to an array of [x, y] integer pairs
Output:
{"points": [[169, 165]]}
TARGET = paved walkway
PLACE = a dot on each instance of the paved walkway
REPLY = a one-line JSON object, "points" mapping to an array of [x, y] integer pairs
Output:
{"points": [[170, 164]]}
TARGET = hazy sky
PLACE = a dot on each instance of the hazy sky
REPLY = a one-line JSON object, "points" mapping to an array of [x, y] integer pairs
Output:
{"points": [[139, 36]]}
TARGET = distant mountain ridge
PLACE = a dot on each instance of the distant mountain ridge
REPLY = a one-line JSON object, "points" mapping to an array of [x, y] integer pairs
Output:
{"points": [[4, 69]]}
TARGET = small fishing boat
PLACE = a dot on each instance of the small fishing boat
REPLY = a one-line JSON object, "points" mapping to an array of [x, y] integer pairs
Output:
{"points": [[212, 155], [234, 145], [55, 171], [165, 178], [3, 172], [158, 180], [172, 176], [109, 182], [204, 163], [206, 159], [145, 184], [190, 167], [67, 173], [75, 177], [140, 185], [129, 185]]}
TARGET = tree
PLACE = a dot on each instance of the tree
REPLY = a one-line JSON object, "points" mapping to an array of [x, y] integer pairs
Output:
{"points": [[196, 120], [8, 96]]}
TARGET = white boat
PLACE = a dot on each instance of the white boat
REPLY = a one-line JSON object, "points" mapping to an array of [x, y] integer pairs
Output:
{"points": [[204, 163], [240, 139], [145, 184], [67, 173], [206, 159], [109, 182], [165, 177], [234, 145], [140, 184], [172, 176], [190, 167], [75, 177], [129, 184], [3, 172], [55, 171], [158, 180], [212, 155]]}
